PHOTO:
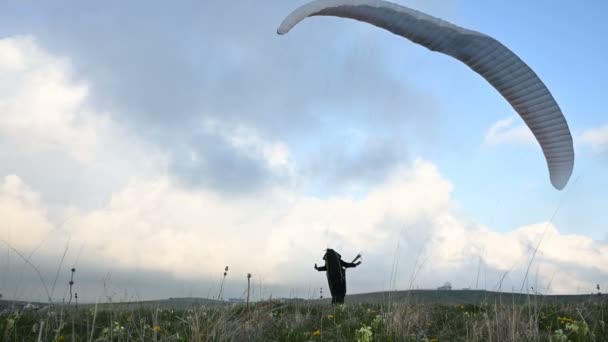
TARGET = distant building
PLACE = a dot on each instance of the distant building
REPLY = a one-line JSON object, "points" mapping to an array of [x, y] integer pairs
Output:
{"points": [[30, 307], [446, 287]]}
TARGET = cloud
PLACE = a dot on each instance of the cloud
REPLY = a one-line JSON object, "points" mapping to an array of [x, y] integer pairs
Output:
{"points": [[41, 104], [54, 139], [22, 211], [189, 236], [232, 159], [507, 132], [597, 138], [162, 76]]}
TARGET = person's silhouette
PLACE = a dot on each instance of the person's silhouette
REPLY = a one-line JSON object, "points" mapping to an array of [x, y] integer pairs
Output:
{"points": [[335, 269]]}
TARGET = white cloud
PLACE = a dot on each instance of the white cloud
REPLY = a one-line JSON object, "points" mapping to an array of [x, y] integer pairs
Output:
{"points": [[45, 107], [52, 137], [154, 226], [560, 257], [508, 132], [151, 225], [247, 139], [597, 138], [24, 217], [41, 105]]}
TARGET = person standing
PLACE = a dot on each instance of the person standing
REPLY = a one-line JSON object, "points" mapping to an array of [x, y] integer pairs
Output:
{"points": [[335, 269]]}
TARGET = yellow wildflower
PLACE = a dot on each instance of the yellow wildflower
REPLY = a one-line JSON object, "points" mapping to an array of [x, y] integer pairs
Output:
{"points": [[566, 320], [156, 328], [434, 340], [60, 338], [316, 333], [330, 317]]}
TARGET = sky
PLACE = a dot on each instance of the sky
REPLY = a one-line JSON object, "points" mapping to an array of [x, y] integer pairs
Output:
{"points": [[149, 145]]}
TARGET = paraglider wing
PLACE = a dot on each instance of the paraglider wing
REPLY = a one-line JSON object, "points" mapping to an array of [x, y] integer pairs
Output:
{"points": [[506, 72]]}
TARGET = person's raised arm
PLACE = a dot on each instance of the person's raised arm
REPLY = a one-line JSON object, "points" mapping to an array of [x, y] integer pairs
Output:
{"points": [[349, 264], [352, 263]]}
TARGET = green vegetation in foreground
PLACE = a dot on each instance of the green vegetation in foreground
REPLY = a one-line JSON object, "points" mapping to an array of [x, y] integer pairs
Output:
{"points": [[313, 321]]}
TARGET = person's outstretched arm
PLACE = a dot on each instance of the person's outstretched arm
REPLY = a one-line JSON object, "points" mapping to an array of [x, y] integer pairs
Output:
{"points": [[349, 264], [322, 268]]}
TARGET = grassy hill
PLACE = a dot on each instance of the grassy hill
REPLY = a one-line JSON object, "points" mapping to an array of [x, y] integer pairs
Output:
{"points": [[474, 297], [171, 303], [453, 297]]}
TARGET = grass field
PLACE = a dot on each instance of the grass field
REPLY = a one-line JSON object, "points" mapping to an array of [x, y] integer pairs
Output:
{"points": [[397, 316]]}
